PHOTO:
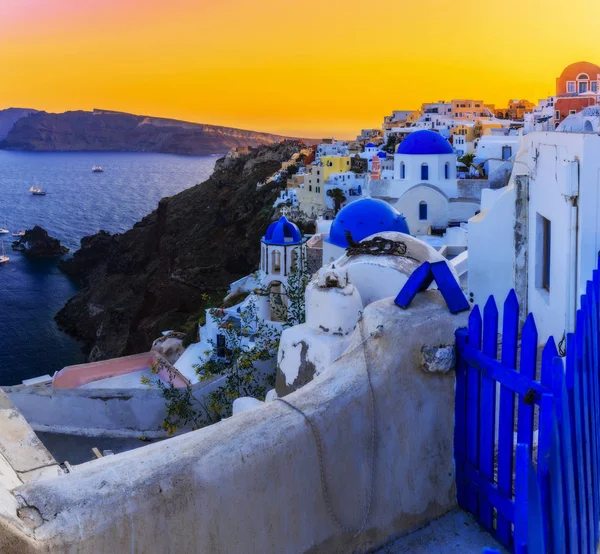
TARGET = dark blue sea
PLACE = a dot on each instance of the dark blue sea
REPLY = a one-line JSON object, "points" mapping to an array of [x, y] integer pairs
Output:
{"points": [[78, 203]]}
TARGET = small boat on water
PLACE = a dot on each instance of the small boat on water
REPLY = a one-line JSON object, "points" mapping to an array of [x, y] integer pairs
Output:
{"points": [[4, 230], [97, 169], [3, 259], [20, 233], [37, 191]]}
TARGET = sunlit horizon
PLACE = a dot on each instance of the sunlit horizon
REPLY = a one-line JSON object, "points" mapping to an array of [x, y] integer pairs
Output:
{"points": [[312, 70]]}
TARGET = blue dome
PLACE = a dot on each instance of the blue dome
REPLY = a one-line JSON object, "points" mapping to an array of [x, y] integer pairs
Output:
{"points": [[370, 145], [382, 154], [424, 143], [364, 218], [282, 232]]}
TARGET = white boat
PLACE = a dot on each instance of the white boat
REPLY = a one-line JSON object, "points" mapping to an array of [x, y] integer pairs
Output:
{"points": [[20, 233], [97, 169], [37, 191], [3, 259], [4, 230]]}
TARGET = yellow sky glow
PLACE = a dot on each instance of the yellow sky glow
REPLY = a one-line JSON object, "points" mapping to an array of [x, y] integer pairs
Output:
{"points": [[315, 68]]}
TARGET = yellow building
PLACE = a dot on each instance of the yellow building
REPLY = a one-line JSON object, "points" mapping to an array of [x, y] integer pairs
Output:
{"points": [[311, 197], [466, 131], [483, 127]]}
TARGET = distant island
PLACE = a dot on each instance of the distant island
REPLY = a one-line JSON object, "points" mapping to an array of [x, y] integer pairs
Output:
{"points": [[105, 130]]}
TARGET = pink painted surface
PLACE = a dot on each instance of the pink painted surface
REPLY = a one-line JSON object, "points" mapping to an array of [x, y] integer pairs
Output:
{"points": [[75, 376]]}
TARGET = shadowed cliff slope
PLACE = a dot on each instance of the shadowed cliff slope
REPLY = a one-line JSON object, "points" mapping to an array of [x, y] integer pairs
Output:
{"points": [[102, 130], [152, 277]]}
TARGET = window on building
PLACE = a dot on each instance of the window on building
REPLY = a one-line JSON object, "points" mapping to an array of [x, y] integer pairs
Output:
{"points": [[424, 172], [309, 188], [543, 249], [571, 87], [547, 243], [402, 171], [275, 261], [506, 152], [583, 87], [594, 86], [557, 114], [447, 171], [583, 77], [422, 211], [572, 112]]}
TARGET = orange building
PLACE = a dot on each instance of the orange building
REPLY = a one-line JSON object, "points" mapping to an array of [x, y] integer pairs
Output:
{"points": [[469, 109], [566, 106], [579, 79]]}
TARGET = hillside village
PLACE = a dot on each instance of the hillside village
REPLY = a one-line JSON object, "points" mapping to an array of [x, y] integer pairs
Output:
{"points": [[329, 380]]}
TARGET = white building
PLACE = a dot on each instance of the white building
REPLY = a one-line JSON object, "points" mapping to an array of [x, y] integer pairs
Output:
{"points": [[541, 234], [425, 157], [493, 151], [542, 117], [585, 121], [332, 148], [350, 183]]}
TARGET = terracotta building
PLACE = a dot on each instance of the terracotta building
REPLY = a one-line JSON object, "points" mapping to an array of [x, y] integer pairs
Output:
{"points": [[579, 79]]}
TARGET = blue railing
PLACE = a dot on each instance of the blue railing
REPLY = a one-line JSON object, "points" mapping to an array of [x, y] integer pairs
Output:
{"points": [[544, 501]]}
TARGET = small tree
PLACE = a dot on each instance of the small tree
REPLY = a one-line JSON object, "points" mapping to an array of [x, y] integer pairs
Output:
{"points": [[467, 160], [390, 145], [338, 197], [247, 342]]}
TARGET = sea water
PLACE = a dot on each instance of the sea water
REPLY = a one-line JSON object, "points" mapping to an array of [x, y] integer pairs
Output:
{"points": [[78, 203]]}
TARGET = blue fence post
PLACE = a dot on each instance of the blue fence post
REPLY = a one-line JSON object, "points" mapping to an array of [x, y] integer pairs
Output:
{"points": [[487, 409], [473, 388], [460, 417], [529, 342], [573, 383], [584, 391], [521, 497], [506, 418], [566, 451]]}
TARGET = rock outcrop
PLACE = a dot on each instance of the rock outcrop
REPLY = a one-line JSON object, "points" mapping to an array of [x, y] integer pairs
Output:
{"points": [[103, 130], [153, 277], [9, 117], [37, 243]]}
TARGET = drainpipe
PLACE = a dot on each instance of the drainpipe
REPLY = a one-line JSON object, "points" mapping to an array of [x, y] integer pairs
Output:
{"points": [[573, 262]]}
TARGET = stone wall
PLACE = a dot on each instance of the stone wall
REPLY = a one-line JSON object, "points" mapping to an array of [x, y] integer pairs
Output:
{"points": [[96, 412], [251, 483], [471, 188]]}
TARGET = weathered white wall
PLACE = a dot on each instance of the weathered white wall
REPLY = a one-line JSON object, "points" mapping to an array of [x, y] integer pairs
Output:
{"points": [[96, 412], [437, 208], [251, 483], [491, 247]]}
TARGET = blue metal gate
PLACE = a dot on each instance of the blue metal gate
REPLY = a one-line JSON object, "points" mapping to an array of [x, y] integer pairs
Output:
{"points": [[534, 495]]}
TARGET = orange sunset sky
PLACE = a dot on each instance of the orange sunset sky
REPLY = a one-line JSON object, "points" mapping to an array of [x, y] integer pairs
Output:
{"points": [[311, 68]]}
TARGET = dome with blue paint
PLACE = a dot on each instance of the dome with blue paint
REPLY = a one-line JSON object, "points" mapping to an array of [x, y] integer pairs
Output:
{"points": [[282, 232], [370, 145], [382, 154], [424, 143], [364, 218]]}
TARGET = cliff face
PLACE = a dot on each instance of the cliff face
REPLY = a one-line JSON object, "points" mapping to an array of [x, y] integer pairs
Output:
{"points": [[114, 131], [152, 277], [9, 117]]}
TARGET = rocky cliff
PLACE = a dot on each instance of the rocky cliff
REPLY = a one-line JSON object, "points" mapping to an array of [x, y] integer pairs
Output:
{"points": [[103, 130], [36, 243], [9, 117], [153, 277]]}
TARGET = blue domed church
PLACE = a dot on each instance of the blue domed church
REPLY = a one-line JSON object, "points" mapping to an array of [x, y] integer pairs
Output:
{"points": [[424, 187], [362, 219]]}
